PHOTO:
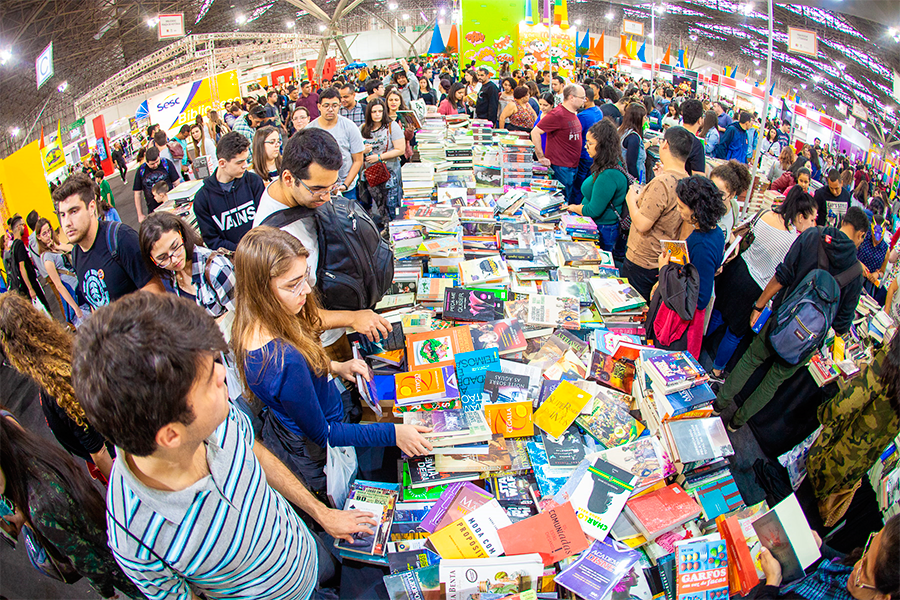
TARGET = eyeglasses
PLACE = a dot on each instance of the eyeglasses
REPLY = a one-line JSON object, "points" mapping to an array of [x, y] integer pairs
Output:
{"points": [[273, 142], [167, 258], [319, 194], [330, 106], [863, 564], [294, 290]]}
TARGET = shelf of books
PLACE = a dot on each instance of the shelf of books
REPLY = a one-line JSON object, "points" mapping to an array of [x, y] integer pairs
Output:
{"points": [[570, 458]]}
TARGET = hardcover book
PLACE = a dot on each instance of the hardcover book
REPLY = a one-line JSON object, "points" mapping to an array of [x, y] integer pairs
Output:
{"points": [[437, 348], [461, 304]]}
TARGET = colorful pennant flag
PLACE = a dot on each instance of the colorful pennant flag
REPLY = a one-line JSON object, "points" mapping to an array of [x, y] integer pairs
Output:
{"points": [[641, 53], [681, 59], [529, 19], [667, 57]]}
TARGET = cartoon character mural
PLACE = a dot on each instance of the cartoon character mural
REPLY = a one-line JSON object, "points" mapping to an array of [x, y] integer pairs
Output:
{"points": [[534, 42], [490, 27]]}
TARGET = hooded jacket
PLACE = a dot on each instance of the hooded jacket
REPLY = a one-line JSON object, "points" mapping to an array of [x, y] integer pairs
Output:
{"points": [[733, 144], [803, 257], [224, 217]]}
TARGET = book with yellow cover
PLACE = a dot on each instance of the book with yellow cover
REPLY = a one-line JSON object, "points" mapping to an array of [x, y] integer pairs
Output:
{"points": [[437, 348], [426, 384], [474, 535], [560, 409], [511, 419], [678, 249]]}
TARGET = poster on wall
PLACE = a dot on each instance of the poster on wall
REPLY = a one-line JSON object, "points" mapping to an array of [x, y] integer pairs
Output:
{"points": [[802, 41], [489, 28], [534, 42], [180, 106]]}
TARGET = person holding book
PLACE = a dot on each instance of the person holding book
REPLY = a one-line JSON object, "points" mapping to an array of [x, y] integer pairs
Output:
{"points": [[700, 205], [654, 212], [858, 424], [840, 247], [605, 188], [743, 278], [282, 363], [868, 573]]}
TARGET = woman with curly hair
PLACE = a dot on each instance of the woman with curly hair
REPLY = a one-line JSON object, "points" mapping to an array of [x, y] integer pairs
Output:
{"points": [[858, 424], [605, 188], [700, 204], [784, 162], [733, 179], [41, 348]]}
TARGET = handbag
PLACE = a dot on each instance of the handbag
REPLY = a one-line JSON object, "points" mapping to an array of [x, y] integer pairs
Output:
{"points": [[377, 174], [745, 230], [47, 559], [340, 471]]}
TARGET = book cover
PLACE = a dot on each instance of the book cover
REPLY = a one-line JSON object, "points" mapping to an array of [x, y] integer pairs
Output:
{"points": [[700, 439], [554, 534], [478, 431], [444, 502], [468, 497], [513, 489], [643, 457], [506, 335], [674, 371], [549, 480], [441, 422], [461, 304], [396, 340], [554, 311], [492, 578], [742, 576], [418, 584], [471, 368], [566, 451], [473, 535], [600, 495], [597, 571], [510, 419], [437, 348], [570, 366], [367, 389], [559, 410], [573, 289], [583, 253], [685, 401], [401, 562], [425, 384], [662, 510], [678, 250], [718, 496], [380, 499], [486, 269], [421, 472], [504, 387], [785, 532], [609, 423], [431, 289], [701, 570], [496, 459], [616, 374]]}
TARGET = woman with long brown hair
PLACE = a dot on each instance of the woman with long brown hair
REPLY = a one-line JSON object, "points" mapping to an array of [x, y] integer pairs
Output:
{"points": [[634, 153], [60, 270], [200, 142], [41, 348], [282, 364], [267, 153], [784, 162]]}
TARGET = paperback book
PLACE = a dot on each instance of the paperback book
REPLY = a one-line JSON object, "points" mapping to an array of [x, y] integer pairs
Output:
{"points": [[607, 371], [461, 304], [554, 534], [473, 535], [499, 577], [425, 384], [379, 499], [437, 348], [597, 571], [566, 451], [702, 569], [600, 495], [471, 368], [418, 584], [554, 311], [506, 335], [562, 407]]}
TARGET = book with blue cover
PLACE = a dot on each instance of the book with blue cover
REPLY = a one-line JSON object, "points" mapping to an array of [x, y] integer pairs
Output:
{"points": [[549, 480], [702, 569], [597, 571], [470, 372]]}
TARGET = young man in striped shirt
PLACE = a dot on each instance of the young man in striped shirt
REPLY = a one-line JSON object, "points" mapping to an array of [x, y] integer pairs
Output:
{"points": [[190, 509]]}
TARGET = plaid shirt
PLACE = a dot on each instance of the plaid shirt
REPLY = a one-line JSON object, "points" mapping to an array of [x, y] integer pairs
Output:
{"points": [[357, 115], [242, 126], [827, 582], [216, 299]]}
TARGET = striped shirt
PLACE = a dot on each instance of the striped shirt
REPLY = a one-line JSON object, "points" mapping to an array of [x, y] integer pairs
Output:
{"points": [[228, 536], [768, 249]]}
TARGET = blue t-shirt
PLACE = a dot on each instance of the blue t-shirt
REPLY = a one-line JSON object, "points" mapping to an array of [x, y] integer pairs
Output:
{"points": [[103, 279], [307, 404], [706, 250], [588, 117]]}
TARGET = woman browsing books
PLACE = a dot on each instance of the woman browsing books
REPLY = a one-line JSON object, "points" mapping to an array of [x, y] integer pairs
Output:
{"points": [[283, 365]]}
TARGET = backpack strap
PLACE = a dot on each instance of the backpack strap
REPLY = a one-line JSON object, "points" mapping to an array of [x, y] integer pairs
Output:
{"points": [[281, 218], [844, 277], [112, 239]]}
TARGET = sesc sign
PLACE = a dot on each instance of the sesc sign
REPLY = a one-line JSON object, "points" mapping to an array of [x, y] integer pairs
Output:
{"points": [[44, 65]]}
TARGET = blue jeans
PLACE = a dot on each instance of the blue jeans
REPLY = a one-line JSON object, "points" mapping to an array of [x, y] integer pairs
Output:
{"points": [[728, 344], [566, 176], [609, 235], [584, 169]]}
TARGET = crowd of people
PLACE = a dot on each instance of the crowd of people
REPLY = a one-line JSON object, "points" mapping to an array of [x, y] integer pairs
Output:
{"points": [[200, 387]]}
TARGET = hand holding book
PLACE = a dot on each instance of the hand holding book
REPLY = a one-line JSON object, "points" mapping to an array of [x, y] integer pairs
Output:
{"points": [[410, 440]]}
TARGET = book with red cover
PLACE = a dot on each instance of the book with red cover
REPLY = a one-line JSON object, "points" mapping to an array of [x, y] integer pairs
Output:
{"points": [[742, 575], [554, 534], [437, 348], [662, 510]]}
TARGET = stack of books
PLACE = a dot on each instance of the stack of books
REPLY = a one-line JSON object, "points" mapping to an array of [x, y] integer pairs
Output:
{"points": [[482, 132], [516, 161], [418, 182], [579, 228]]}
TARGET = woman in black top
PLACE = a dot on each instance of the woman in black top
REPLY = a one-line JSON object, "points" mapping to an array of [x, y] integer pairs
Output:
{"points": [[426, 93]]}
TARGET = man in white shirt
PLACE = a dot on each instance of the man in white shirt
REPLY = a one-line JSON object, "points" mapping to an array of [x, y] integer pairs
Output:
{"points": [[347, 135], [310, 168]]}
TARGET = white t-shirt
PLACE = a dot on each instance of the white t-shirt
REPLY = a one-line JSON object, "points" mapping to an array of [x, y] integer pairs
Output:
{"points": [[305, 231], [350, 140]]}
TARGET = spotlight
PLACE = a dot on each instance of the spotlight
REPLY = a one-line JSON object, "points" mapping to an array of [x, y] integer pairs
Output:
{"points": [[405, 17], [578, 21], [443, 12], [5, 56], [289, 24], [240, 19], [322, 27], [693, 38], [756, 62], [710, 52], [392, 6], [14, 132], [63, 86], [803, 85], [609, 16]]}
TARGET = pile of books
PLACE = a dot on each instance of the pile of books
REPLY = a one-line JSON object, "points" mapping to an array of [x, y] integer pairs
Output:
{"points": [[516, 160], [418, 182], [482, 131], [578, 227]]}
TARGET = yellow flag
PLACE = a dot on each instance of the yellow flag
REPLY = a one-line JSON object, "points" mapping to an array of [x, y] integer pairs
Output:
{"points": [[52, 154]]}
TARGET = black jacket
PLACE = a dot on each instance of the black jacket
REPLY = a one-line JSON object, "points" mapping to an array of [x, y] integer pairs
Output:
{"points": [[224, 217], [803, 257], [487, 106]]}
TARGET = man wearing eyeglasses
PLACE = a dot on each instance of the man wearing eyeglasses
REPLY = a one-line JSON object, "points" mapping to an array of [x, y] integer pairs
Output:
{"points": [[563, 131], [346, 134], [310, 174]]}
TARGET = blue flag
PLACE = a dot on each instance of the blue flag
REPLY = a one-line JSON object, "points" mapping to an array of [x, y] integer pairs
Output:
{"points": [[640, 53]]}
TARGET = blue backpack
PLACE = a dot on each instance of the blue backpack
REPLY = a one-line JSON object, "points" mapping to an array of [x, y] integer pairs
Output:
{"points": [[802, 321]]}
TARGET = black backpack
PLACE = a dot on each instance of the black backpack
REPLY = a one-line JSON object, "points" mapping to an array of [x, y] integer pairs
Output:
{"points": [[13, 279], [356, 265]]}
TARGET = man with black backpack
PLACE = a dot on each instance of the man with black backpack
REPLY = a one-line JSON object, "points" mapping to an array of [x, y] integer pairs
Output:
{"points": [[351, 265], [815, 288]]}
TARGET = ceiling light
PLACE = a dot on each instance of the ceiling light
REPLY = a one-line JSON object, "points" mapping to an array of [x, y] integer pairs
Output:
{"points": [[693, 38], [609, 16], [660, 9], [758, 71], [289, 24], [63, 86], [889, 110], [240, 19], [5, 56], [578, 21], [756, 62], [443, 12], [405, 17], [392, 6], [841, 66], [710, 52], [322, 27], [803, 85], [14, 131]]}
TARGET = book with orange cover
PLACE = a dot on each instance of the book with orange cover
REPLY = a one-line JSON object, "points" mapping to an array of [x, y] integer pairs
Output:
{"points": [[426, 384], [437, 348], [554, 534], [742, 575], [511, 419]]}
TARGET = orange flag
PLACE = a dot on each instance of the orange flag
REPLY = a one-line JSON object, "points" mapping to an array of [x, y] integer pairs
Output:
{"points": [[596, 51], [453, 40], [665, 59], [623, 49], [41, 145]]}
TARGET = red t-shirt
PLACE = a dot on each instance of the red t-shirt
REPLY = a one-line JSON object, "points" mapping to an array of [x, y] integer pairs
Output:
{"points": [[563, 131]]}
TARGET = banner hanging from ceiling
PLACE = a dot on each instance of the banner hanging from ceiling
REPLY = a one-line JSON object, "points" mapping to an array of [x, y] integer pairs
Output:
{"points": [[180, 106], [488, 32], [537, 53]]}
